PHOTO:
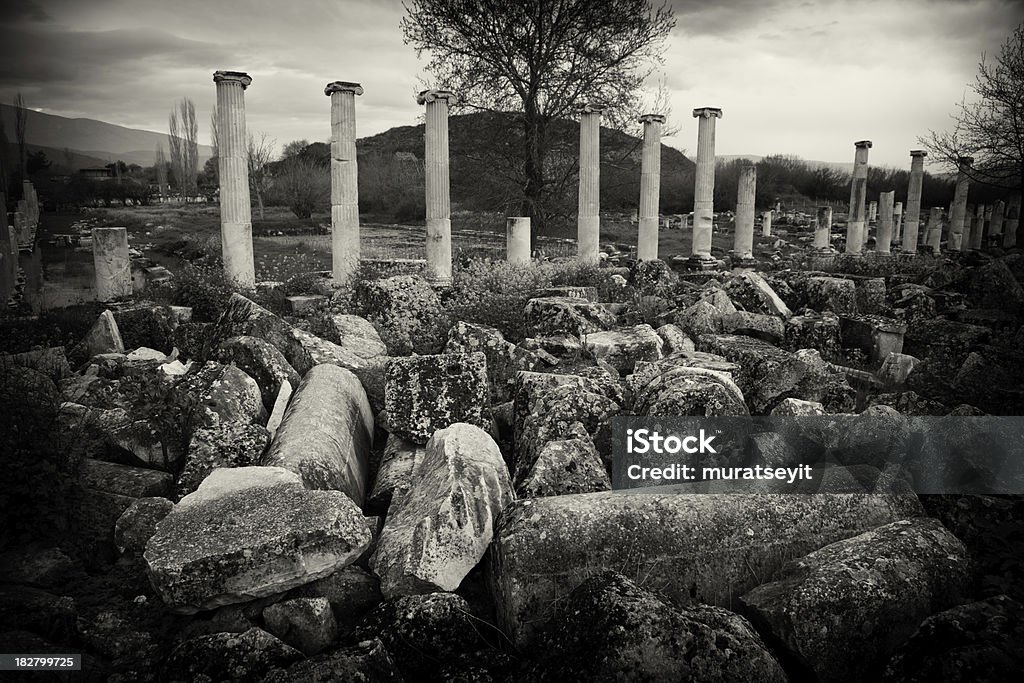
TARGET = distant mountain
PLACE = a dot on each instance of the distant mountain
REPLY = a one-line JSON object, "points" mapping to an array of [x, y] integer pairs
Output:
{"points": [[96, 140]]}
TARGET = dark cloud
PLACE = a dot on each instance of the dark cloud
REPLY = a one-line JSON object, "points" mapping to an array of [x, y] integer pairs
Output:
{"points": [[700, 17], [16, 11], [32, 54]]}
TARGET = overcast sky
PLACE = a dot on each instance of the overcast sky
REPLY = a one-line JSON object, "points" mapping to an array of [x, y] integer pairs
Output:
{"points": [[806, 78]]}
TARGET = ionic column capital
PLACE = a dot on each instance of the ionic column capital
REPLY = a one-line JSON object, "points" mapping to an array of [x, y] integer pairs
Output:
{"points": [[343, 86], [652, 118], [707, 113], [232, 77], [429, 96], [590, 108], [862, 144], [918, 153]]}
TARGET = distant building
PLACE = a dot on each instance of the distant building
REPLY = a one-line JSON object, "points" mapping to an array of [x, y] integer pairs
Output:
{"points": [[97, 173]]}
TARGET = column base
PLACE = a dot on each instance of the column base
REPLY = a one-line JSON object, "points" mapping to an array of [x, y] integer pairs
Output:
{"points": [[742, 260], [703, 262], [439, 283]]}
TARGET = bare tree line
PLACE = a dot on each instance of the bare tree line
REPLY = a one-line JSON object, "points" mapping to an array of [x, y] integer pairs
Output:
{"points": [[183, 141]]}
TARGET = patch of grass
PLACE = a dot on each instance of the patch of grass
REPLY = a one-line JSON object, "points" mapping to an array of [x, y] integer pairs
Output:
{"points": [[494, 293]]}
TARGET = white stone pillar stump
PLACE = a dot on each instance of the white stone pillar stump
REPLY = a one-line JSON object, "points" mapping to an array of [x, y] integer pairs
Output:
{"points": [[766, 223], [897, 221], [933, 230], [517, 240], [978, 228], [998, 218], [233, 172], [113, 265], [743, 243], [588, 218], [704, 187], [823, 229], [883, 240], [438, 185], [1012, 220], [344, 180], [959, 222], [855, 226], [650, 188]]}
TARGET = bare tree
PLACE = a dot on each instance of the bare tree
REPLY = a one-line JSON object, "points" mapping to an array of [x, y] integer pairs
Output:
{"points": [[160, 163], [261, 153], [20, 127], [540, 58], [294, 148], [215, 143], [990, 128], [303, 185], [184, 145]]}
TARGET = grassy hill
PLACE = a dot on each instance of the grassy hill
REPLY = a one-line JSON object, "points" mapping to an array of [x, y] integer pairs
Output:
{"points": [[486, 170]]}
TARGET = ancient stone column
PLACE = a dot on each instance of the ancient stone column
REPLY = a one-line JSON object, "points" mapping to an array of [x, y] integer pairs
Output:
{"points": [[933, 231], [8, 258], [26, 216], [743, 244], [650, 188], [344, 180], [913, 213], [897, 221], [113, 266], [233, 171], [1012, 221], [21, 228], [517, 240], [872, 212], [987, 230], [823, 229], [704, 187], [855, 226], [438, 187], [766, 223], [978, 227], [958, 210], [964, 238], [588, 220], [883, 241], [998, 218], [28, 194]]}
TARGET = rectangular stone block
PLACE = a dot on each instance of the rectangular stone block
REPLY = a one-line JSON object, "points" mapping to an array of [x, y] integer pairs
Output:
{"points": [[696, 548]]}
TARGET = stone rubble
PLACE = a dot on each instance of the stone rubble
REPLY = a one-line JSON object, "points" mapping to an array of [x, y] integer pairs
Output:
{"points": [[405, 511]]}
